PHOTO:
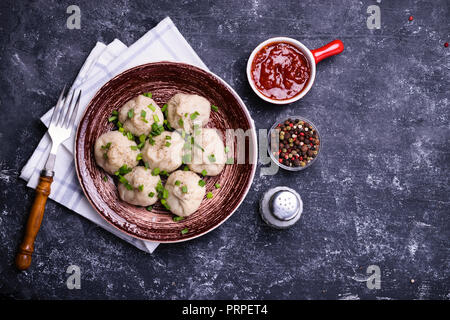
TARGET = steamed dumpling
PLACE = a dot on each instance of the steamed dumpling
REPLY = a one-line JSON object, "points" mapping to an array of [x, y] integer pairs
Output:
{"points": [[212, 159], [141, 188], [138, 115], [112, 150], [164, 151], [185, 194], [185, 110]]}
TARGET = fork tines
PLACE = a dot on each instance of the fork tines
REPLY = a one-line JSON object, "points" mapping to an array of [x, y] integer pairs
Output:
{"points": [[65, 110]]}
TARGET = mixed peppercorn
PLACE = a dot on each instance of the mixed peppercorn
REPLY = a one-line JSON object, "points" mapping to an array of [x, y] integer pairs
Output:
{"points": [[299, 143]]}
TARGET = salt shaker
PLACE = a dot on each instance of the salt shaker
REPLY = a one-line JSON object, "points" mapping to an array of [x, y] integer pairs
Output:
{"points": [[281, 207]]}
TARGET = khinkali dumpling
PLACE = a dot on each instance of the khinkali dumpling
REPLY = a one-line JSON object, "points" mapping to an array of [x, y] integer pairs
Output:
{"points": [[185, 193], [164, 151], [139, 187], [211, 156], [138, 115], [112, 150], [185, 110]]}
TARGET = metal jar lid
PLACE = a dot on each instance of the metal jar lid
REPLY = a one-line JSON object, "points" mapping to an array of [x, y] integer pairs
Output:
{"points": [[281, 207]]}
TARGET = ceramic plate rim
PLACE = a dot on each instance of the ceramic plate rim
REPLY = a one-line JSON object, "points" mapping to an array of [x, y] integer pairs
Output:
{"points": [[253, 152]]}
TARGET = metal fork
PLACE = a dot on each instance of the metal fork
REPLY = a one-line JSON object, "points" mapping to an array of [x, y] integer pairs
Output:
{"points": [[60, 129]]}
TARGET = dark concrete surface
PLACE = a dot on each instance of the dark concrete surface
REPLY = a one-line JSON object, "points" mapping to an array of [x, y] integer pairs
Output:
{"points": [[378, 194]]}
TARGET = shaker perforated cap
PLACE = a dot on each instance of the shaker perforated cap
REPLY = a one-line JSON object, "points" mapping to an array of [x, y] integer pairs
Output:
{"points": [[281, 207]]}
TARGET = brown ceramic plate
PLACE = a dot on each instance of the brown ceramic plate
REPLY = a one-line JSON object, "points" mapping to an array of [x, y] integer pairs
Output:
{"points": [[163, 80]]}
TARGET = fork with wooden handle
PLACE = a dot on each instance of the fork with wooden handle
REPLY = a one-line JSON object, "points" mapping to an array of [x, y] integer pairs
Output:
{"points": [[60, 129]]}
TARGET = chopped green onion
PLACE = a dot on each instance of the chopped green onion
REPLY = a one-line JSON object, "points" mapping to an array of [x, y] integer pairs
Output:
{"points": [[146, 165], [105, 155], [149, 208], [209, 195], [141, 187], [184, 189], [151, 194], [181, 122], [105, 178], [230, 161], [139, 157], [167, 124], [130, 113], [119, 124], [133, 147], [121, 129], [155, 118], [141, 145], [164, 108], [124, 181], [177, 183], [164, 203], [165, 194], [164, 173], [186, 114], [115, 113], [142, 137], [204, 173], [201, 183], [151, 141], [214, 108], [155, 172], [156, 129], [106, 147], [168, 144], [168, 137], [184, 231], [143, 114], [151, 107], [112, 118], [212, 158], [177, 218], [123, 170], [217, 186], [186, 168], [130, 135], [227, 149], [147, 94], [159, 187], [194, 115]]}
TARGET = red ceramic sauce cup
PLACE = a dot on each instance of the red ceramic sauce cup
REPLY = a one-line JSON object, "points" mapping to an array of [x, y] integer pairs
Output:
{"points": [[312, 56]]}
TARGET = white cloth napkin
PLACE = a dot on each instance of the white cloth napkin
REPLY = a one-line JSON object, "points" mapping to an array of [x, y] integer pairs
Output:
{"points": [[163, 42]]}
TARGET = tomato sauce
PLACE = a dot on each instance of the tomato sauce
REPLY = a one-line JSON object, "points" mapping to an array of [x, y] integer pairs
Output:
{"points": [[280, 71]]}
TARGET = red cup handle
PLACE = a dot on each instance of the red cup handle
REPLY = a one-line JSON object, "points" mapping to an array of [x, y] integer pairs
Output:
{"points": [[328, 50]]}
